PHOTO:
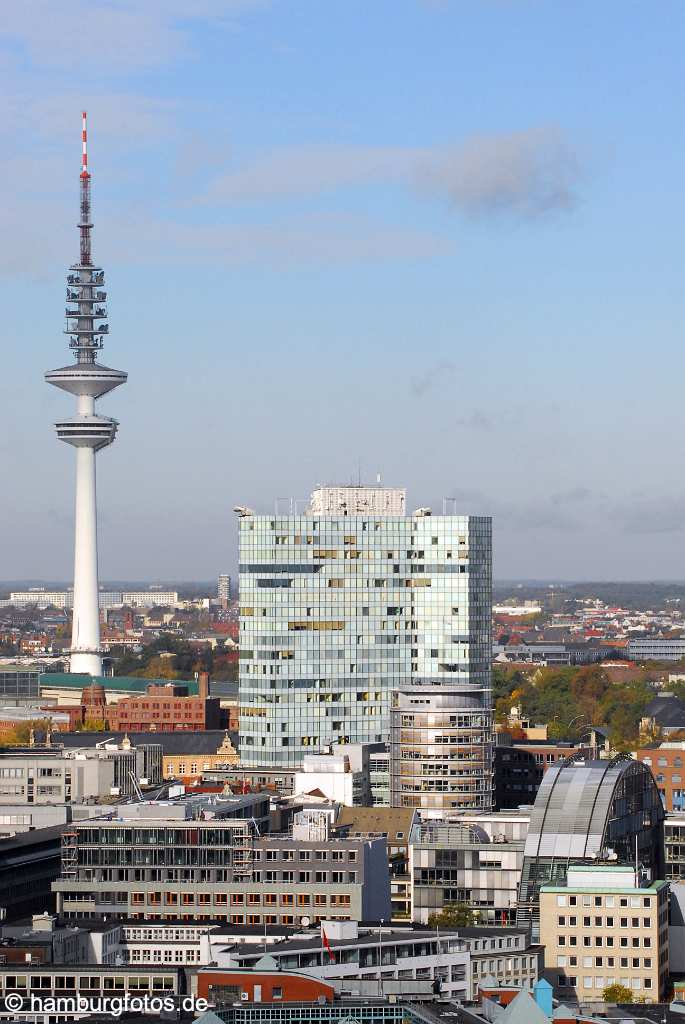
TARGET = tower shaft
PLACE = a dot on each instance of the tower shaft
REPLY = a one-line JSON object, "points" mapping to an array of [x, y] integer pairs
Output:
{"points": [[85, 634]]}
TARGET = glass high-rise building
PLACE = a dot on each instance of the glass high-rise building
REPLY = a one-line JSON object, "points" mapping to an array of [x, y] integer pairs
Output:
{"points": [[339, 611]]}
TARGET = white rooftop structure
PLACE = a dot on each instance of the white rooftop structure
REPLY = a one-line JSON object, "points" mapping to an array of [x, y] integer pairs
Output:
{"points": [[358, 500]]}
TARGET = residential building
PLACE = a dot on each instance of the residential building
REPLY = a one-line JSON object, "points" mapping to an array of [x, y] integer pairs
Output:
{"points": [[58, 775], [458, 862], [674, 846], [338, 611], [587, 809], [394, 824], [665, 714], [41, 598], [219, 867], [379, 777], [95, 982], [666, 762], [383, 953], [344, 774], [441, 749], [546, 652], [185, 754], [606, 925], [656, 648], [329, 775], [505, 954], [223, 589]]}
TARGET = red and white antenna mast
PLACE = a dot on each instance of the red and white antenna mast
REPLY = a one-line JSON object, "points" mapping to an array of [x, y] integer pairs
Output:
{"points": [[85, 224]]}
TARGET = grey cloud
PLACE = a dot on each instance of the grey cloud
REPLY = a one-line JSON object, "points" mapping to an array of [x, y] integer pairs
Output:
{"points": [[425, 382], [528, 174], [650, 513], [575, 495], [525, 174], [533, 514], [476, 420]]}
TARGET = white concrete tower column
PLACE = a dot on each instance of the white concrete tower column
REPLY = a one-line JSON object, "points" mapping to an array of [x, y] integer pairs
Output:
{"points": [[85, 636]]}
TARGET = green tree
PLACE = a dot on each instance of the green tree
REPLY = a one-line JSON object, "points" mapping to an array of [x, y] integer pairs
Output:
{"points": [[617, 994], [453, 915]]}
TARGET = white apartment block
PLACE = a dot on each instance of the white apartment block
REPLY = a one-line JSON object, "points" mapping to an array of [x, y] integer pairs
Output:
{"points": [[606, 926]]}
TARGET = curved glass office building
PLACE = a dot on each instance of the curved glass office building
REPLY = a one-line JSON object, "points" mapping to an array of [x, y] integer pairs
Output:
{"points": [[588, 811]]}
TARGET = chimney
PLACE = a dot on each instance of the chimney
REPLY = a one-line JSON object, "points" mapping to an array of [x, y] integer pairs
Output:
{"points": [[203, 685]]}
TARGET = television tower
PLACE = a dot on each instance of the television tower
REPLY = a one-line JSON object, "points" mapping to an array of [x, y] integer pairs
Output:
{"points": [[86, 325]]}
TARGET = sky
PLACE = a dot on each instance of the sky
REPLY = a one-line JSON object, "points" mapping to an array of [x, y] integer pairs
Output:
{"points": [[439, 240]]}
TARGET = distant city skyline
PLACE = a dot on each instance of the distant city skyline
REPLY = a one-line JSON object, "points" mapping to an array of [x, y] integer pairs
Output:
{"points": [[433, 240]]}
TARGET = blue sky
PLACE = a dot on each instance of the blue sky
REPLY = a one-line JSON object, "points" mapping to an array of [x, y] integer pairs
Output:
{"points": [[440, 238]]}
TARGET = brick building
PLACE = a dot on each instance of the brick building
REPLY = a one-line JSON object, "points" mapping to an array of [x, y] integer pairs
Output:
{"points": [[520, 766], [166, 708], [666, 762]]}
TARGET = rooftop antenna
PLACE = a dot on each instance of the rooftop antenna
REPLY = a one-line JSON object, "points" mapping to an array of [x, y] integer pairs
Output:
{"points": [[85, 224]]}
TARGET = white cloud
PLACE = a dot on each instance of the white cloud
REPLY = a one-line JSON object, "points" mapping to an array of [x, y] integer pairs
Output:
{"points": [[320, 239], [107, 37]]}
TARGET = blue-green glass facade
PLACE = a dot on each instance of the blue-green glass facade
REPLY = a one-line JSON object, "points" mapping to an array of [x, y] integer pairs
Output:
{"points": [[337, 612]]}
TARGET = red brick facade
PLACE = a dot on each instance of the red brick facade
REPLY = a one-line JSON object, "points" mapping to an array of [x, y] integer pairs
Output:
{"points": [[164, 713], [272, 987]]}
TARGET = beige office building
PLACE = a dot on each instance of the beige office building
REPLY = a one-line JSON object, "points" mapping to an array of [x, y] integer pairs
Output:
{"points": [[606, 926]]}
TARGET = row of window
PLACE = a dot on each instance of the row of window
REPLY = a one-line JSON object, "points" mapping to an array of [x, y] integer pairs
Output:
{"points": [[606, 961], [606, 901], [605, 940], [222, 899], [601, 983], [605, 922]]}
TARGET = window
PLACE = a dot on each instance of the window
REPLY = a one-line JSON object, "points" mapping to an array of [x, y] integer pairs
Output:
{"points": [[561, 901]]}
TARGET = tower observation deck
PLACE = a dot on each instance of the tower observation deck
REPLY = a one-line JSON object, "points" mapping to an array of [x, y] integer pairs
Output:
{"points": [[87, 432]]}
